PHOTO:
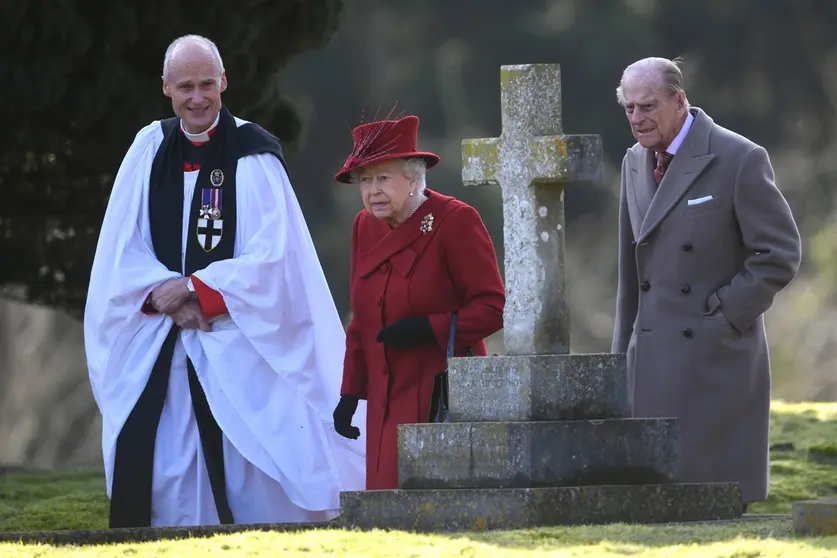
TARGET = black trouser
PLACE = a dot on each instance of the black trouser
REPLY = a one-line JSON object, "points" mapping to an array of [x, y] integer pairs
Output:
{"points": [[130, 503]]}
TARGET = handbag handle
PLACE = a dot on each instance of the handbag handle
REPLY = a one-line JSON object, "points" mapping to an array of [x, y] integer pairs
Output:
{"points": [[452, 335]]}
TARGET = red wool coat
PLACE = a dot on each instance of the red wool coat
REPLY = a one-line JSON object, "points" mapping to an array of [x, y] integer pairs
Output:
{"points": [[401, 273]]}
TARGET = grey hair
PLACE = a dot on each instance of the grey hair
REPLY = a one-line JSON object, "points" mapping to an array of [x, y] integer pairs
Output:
{"points": [[195, 39], [414, 168], [668, 72]]}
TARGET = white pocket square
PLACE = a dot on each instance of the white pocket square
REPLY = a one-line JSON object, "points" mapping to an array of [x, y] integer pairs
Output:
{"points": [[698, 201]]}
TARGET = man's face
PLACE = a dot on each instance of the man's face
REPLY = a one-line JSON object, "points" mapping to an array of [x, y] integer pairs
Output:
{"points": [[655, 114], [195, 83]]}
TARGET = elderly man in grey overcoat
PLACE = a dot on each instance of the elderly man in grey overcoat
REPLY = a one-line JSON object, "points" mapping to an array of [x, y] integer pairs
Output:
{"points": [[706, 241]]}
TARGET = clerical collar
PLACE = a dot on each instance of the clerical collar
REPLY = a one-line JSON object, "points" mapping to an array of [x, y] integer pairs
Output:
{"points": [[203, 136]]}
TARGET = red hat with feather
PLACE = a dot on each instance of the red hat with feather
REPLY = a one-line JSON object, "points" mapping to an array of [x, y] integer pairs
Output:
{"points": [[384, 140]]}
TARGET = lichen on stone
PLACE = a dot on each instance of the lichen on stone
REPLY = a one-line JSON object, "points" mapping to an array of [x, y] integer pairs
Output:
{"points": [[532, 150]]}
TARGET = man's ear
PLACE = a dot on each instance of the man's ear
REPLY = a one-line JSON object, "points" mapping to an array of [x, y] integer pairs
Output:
{"points": [[681, 101], [166, 89], [223, 82]]}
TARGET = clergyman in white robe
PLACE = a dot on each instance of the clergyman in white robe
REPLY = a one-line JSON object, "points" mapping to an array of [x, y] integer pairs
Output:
{"points": [[270, 368]]}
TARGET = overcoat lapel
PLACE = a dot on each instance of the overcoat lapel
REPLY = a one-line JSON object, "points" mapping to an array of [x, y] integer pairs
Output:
{"points": [[402, 245], [689, 162], [642, 187]]}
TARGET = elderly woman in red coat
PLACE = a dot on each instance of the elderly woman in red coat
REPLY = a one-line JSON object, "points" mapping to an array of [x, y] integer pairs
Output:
{"points": [[417, 257]]}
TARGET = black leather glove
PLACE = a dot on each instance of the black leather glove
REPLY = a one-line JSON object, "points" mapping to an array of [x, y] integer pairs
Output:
{"points": [[406, 332], [343, 414]]}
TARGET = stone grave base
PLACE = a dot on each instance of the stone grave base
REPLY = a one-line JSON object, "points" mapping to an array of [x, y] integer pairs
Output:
{"points": [[815, 517], [522, 508], [537, 454]]}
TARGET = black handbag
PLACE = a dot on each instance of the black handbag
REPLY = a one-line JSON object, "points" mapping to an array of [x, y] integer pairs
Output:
{"points": [[439, 398]]}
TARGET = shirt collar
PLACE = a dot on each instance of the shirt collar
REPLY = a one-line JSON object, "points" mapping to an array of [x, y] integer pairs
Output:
{"points": [[678, 140]]}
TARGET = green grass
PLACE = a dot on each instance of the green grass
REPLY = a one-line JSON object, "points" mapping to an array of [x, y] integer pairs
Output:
{"points": [[51, 502], [76, 500], [794, 429]]}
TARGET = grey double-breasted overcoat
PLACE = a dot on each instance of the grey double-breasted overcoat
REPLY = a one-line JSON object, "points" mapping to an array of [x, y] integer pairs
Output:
{"points": [[701, 259]]}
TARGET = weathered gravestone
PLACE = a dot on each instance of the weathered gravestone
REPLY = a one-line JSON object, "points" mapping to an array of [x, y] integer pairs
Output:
{"points": [[539, 436]]}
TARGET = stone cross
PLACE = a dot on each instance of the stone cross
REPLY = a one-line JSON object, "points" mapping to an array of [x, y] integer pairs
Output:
{"points": [[532, 161]]}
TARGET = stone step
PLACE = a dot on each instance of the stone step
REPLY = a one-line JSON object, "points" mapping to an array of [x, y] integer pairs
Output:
{"points": [[538, 454], [815, 517], [538, 387], [522, 508]]}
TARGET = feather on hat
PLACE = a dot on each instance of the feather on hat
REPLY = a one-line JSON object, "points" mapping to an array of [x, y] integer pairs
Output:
{"points": [[384, 140]]}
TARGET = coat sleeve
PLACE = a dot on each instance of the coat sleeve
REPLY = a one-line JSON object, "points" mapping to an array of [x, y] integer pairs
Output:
{"points": [[472, 264], [354, 362], [627, 289], [770, 236]]}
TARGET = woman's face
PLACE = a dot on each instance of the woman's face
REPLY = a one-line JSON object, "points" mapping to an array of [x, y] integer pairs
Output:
{"points": [[385, 191]]}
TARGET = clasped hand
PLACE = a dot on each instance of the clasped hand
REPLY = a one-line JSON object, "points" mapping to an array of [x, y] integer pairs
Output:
{"points": [[174, 299]]}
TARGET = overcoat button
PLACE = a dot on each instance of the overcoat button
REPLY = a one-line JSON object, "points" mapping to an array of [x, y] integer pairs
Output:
{"points": [[645, 285], [688, 247], [687, 332], [633, 243], [685, 289]]}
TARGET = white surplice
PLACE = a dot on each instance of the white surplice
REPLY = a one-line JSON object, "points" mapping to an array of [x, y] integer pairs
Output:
{"points": [[271, 369]]}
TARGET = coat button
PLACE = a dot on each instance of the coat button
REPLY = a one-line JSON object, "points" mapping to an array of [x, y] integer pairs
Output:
{"points": [[687, 332], [685, 289], [633, 243], [687, 247], [645, 285]]}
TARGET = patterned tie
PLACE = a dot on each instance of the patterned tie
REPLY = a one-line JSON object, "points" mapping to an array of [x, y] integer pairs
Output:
{"points": [[663, 159]]}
